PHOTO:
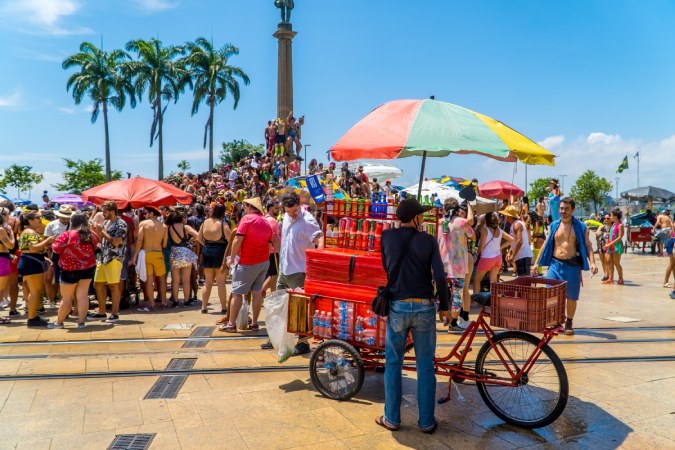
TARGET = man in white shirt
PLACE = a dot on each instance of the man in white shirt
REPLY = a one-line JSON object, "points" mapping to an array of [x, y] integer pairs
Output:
{"points": [[232, 175], [299, 231]]}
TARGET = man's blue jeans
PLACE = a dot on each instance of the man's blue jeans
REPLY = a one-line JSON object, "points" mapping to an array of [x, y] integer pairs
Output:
{"points": [[420, 318]]}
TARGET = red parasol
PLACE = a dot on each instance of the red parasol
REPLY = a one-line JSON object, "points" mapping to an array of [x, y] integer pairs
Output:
{"points": [[137, 192], [499, 189]]}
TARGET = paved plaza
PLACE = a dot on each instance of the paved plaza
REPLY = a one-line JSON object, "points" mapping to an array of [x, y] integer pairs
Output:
{"points": [[615, 401]]}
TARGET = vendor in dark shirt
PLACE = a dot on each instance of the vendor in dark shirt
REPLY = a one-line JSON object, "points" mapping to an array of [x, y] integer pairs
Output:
{"points": [[412, 309]]}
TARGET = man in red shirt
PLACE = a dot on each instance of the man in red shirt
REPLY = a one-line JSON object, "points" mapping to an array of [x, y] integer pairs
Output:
{"points": [[250, 256]]}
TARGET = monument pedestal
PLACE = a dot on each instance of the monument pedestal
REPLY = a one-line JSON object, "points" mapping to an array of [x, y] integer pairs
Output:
{"points": [[285, 71]]}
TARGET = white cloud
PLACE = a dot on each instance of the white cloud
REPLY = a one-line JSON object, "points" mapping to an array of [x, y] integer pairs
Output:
{"points": [[67, 110], [41, 55], [157, 5], [552, 142], [43, 16], [11, 100], [595, 138]]}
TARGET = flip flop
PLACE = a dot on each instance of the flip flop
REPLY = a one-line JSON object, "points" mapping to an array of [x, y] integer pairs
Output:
{"points": [[143, 309], [4, 320], [381, 422]]}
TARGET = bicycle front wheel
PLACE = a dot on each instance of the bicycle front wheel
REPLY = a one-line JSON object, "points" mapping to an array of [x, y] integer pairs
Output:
{"points": [[539, 396]]}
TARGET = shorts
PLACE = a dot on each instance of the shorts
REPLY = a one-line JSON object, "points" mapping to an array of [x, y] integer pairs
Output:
{"points": [[75, 276], [669, 246], [281, 139], [249, 278], [663, 236], [559, 270], [32, 264], [487, 264], [154, 264], [292, 281], [5, 263], [213, 255], [108, 273], [523, 266], [273, 270]]}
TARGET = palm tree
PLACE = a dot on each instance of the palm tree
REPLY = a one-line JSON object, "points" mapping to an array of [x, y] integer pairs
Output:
{"points": [[213, 78], [158, 71], [101, 75]]}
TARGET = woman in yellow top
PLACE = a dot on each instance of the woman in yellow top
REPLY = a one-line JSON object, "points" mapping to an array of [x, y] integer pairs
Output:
{"points": [[33, 264]]}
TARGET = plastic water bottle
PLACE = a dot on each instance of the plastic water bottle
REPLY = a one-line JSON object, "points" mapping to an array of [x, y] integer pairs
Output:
{"points": [[320, 324], [327, 328], [316, 322], [358, 327]]}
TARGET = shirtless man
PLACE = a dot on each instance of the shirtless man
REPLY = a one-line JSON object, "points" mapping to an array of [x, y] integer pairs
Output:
{"points": [[152, 238], [669, 240], [662, 229], [567, 251]]}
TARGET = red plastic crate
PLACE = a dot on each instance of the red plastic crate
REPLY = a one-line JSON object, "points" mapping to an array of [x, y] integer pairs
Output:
{"points": [[528, 304]]}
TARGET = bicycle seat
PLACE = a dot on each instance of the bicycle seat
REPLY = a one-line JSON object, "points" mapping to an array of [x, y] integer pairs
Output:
{"points": [[482, 298]]}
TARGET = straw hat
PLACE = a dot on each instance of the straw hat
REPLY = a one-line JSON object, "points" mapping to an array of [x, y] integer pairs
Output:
{"points": [[510, 211], [256, 203], [64, 212]]}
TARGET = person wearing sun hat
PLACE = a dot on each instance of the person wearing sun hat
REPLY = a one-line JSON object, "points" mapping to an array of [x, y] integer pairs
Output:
{"points": [[520, 251], [250, 261]]}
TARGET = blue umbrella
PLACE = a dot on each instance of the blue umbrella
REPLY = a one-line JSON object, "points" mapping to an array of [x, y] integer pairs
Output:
{"points": [[4, 197], [20, 202]]}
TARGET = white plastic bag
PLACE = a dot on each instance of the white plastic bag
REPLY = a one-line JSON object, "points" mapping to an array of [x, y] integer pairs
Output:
{"points": [[276, 320], [242, 317]]}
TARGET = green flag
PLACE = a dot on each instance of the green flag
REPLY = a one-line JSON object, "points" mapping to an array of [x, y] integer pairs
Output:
{"points": [[624, 165]]}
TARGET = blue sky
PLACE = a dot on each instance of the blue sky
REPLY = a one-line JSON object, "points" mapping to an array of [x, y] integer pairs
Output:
{"points": [[590, 80]]}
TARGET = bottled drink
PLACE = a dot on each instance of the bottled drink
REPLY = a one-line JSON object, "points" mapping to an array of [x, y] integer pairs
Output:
{"points": [[316, 321]]}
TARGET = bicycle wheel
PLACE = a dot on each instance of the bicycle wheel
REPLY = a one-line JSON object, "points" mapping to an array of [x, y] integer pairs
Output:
{"points": [[336, 370], [540, 395]]}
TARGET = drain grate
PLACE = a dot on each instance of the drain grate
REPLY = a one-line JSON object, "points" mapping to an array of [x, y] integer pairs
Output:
{"points": [[181, 364], [131, 441], [168, 386], [199, 332]]}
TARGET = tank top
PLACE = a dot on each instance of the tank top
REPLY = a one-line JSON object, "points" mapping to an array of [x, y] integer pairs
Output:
{"points": [[185, 240], [492, 247], [222, 240], [525, 250]]}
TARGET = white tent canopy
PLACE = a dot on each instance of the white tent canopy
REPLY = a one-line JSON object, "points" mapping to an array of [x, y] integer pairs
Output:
{"points": [[382, 172]]}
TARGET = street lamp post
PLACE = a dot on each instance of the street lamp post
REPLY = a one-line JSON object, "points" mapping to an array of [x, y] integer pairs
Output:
{"points": [[308, 145], [617, 189], [562, 183]]}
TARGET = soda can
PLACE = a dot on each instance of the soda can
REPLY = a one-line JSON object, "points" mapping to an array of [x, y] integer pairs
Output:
{"points": [[348, 208]]}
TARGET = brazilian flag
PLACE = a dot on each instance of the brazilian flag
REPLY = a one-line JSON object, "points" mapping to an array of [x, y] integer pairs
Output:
{"points": [[624, 165]]}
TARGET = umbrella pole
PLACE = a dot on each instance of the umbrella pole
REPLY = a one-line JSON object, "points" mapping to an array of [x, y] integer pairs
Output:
{"points": [[424, 161]]}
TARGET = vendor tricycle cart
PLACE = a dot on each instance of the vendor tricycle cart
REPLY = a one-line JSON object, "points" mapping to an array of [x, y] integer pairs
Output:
{"points": [[518, 375]]}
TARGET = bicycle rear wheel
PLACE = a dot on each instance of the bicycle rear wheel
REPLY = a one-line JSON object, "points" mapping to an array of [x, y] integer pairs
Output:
{"points": [[540, 395], [336, 370]]}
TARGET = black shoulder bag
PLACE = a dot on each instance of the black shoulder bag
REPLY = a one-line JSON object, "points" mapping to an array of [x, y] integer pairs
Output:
{"points": [[380, 305]]}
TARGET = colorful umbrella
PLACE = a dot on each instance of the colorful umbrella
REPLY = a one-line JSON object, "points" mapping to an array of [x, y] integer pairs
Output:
{"points": [[403, 128], [70, 199], [20, 202], [137, 192], [499, 189], [4, 197]]}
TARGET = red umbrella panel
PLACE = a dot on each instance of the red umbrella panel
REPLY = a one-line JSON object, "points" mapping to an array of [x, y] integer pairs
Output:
{"points": [[499, 189], [137, 192]]}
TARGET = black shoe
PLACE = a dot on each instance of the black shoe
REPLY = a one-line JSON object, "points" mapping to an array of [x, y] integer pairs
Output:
{"points": [[266, 346], [605, 278], [173, 304], [190, 301], [41, 311], [37, 322], [14, 313], [91, 315], [302, 348]]}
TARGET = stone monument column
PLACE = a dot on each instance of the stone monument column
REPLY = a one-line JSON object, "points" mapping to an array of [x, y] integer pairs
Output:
{"points": [[285, 36]]}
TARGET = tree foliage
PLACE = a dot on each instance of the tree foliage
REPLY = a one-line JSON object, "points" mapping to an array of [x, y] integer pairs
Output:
{"points": [[213, 78], [159, 72], [82, 175], [237, 150], [591, 189], [184, 166], [101, 76], [20, 177], [538, 189]]}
